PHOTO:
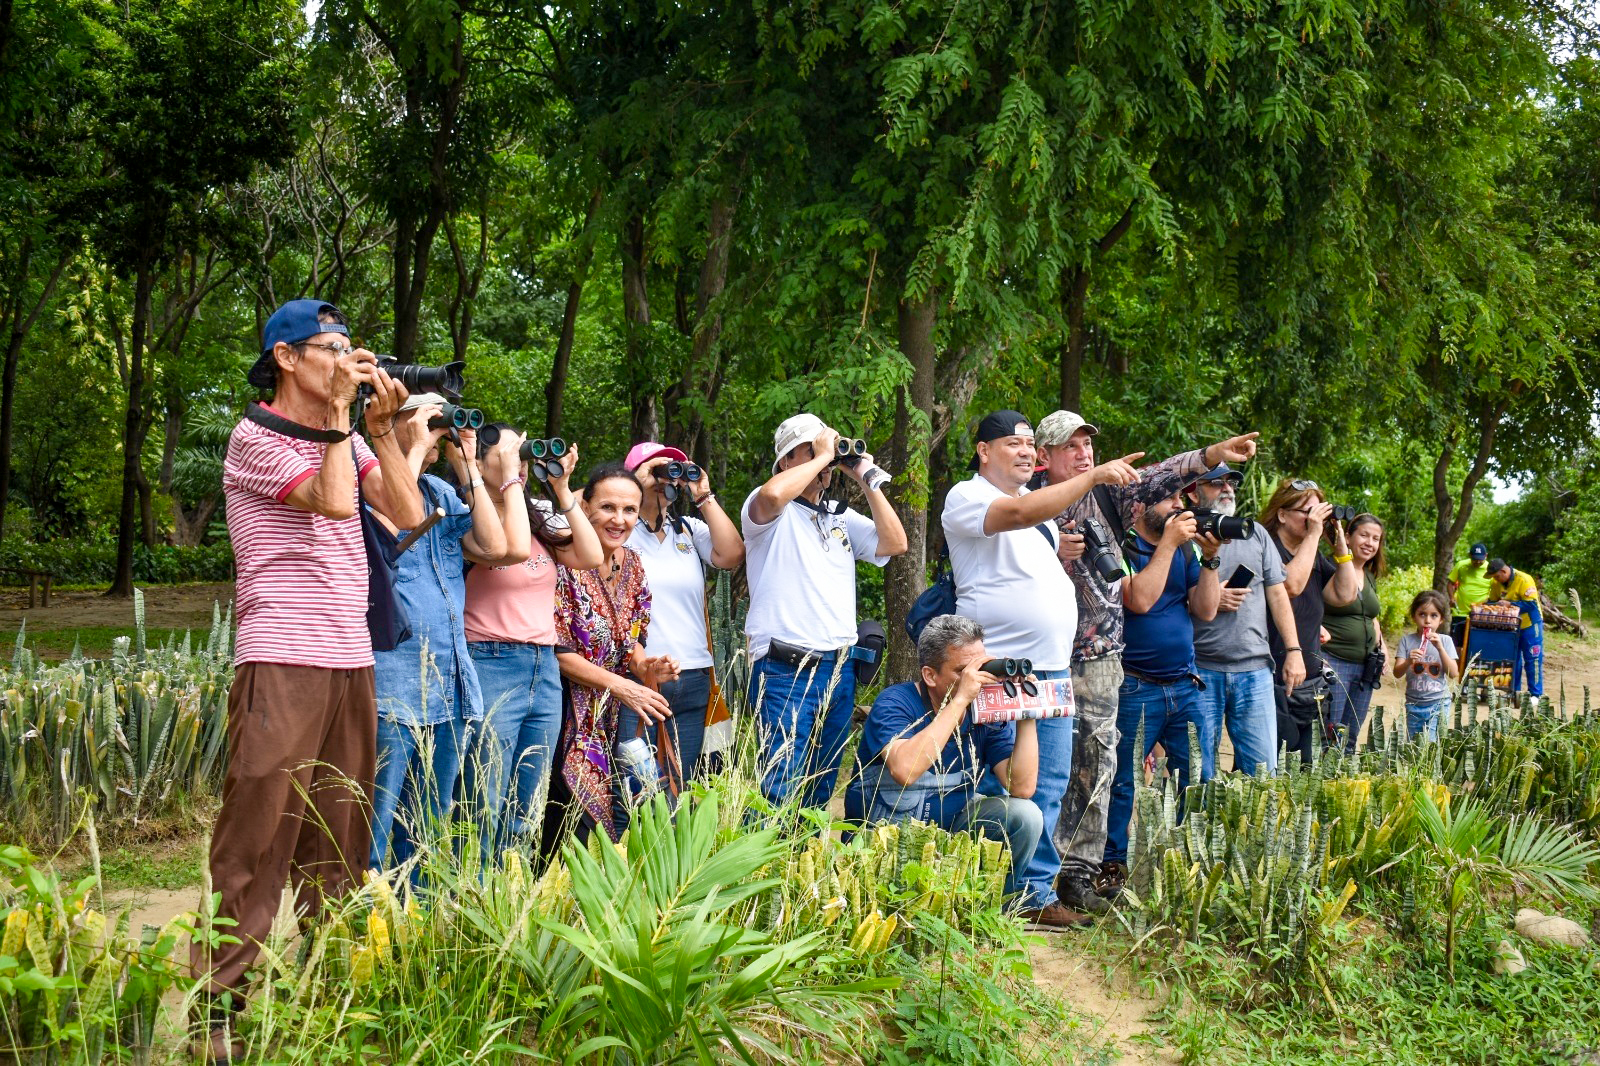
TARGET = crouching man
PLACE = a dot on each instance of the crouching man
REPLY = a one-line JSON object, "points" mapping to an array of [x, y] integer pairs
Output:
{"points": [[922, 758]]}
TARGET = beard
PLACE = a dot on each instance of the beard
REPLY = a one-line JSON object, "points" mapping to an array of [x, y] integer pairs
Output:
{"points": [[1155, 525], [1225, 505]]}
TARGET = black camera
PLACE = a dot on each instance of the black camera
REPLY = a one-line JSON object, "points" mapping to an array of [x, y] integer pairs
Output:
{"points": [[676, 471], [1223, 526], [453, 417], [850, 450], [449, 379], [1097, 551], [1012, 672], [1343, 512]]}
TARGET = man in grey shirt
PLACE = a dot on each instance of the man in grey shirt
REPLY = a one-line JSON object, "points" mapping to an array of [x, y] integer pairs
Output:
{"points": [[1231, 651]]}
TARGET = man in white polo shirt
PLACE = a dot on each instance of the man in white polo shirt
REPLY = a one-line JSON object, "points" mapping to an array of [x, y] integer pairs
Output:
{"points": [[1003, 546], [800, 556]]}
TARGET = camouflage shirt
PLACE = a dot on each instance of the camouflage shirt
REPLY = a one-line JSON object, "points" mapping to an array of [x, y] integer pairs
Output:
{"points": [[1100, 604]]}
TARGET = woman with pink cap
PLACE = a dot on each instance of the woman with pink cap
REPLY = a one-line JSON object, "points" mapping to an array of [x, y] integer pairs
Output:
{"points": [[675, 550]]}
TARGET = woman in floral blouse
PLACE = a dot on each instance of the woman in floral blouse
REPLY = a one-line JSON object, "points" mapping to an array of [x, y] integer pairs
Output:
{"points": [[601, 619]]}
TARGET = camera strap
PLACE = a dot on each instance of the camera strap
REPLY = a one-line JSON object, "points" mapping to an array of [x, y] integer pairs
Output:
{"points": [[1108, 507], [278, 424]]}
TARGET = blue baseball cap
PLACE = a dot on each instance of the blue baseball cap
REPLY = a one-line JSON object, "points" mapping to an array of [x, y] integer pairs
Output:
{"points": [[1480, 552], [292, 323], [1222, 472]]}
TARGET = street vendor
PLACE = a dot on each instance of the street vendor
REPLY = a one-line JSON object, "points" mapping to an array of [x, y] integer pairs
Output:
{"points": [[1507, 585]]}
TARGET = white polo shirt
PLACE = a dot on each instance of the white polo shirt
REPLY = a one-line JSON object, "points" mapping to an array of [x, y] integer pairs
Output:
{"points": [[1011, 583], [802, 572], [675, 566]]}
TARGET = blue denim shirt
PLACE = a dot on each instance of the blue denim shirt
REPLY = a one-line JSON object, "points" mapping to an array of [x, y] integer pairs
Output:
{"points": [[430, 678]]}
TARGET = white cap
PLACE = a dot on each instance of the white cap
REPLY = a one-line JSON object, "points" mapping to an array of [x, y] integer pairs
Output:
{"points": [[1057, 427], [422, 399], [793, 432]]}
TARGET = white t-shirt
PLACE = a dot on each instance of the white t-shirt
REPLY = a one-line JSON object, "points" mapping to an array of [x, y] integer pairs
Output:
{"points": [[1011, 583], [676, 569], [802, 572]]}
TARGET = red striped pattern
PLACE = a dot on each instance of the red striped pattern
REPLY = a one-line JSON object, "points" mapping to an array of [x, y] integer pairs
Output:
{"points": [[302, 578]]}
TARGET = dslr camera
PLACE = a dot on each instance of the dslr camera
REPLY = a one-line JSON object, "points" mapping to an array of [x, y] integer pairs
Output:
{"points": [[1097, 551], [1222, 526], [449, 379]]}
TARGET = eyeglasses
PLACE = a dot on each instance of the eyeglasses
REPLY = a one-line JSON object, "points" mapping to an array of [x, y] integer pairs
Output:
{"points": [[1305, 485], [336, 349]]}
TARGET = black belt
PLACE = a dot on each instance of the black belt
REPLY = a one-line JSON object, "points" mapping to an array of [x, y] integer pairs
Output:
{"points": [[799, 658], [1149, 679]]}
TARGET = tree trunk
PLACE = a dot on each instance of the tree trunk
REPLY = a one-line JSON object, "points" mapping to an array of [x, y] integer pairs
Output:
{"points": [[555, 388], [1074, 298], [907, 575], [19, 319], [644, 421], [702, 374], [1452, 512], [133, 435]]}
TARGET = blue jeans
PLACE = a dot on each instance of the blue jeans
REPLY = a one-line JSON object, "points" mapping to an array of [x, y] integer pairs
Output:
{"points": [[1017, 822], [1425, 718], [516, 744], [1244, 700], [1350, 699], [796, 748], [414, 786], [1166, 711], [1038, 873]]}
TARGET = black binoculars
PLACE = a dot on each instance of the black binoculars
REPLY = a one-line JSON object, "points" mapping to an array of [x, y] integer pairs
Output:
{"points": [[449, 379], [1343, 512], [1011, 672], [676, 471], [453, 417], [543, 448]]}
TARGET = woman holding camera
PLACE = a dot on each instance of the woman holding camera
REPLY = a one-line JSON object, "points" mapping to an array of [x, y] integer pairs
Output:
{"points": [[511, 636], [1296, 516], [675, 551], [1355, 649]]}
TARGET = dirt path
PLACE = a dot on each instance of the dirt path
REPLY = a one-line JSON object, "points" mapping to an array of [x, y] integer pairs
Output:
{"points": [[1117, 1013], [165, 606]]}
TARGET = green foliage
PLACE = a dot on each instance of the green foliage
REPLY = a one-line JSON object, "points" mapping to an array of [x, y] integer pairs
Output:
{"points": [[133, 736], [1395, 593], [89, 562]]}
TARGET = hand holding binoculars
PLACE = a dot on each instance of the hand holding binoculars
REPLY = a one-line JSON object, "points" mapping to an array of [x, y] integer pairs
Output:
{"points": [[454, 417], [674, 472], [849, 450], [1011, 673], [543, 456]]}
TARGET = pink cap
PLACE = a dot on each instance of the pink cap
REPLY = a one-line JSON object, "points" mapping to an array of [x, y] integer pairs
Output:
{"points": [[645, 451]]}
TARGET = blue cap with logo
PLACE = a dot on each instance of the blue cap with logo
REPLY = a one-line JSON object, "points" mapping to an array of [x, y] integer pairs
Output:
{"points": [[292, 323], [1480, 552]]}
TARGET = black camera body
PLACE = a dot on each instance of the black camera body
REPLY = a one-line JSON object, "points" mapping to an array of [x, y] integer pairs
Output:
{"points": [[1223, 526], [1097, 551], [449, 379]]}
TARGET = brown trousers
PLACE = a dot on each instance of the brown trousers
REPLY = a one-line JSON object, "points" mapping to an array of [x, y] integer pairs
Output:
{"points": [[302, 749]]}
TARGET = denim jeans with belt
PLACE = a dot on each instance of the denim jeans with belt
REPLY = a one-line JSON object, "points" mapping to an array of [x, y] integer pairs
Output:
{"points": [[1243, 699], [1165, 709], [804, 718], [510, 762]]}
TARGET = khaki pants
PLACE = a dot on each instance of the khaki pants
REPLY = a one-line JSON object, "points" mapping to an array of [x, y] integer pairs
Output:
{"points": [[302, 748]]}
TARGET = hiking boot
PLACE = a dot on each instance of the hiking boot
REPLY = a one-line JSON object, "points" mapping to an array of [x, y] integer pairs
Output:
{"points": [[1113, 875], [1078, 893], [1052, 918]]}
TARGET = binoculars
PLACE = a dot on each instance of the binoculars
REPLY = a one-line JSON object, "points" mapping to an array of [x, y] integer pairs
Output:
{"points": [[1223, 527], [453, 417], [449, 379], [1011, 672], [1343, 512], [850, 450], [543, 456], [676, 471]]}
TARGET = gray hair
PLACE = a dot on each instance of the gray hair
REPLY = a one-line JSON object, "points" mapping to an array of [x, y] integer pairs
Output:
{"points": [[944, 635]]}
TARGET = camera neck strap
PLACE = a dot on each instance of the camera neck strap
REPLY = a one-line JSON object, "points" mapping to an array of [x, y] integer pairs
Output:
{"points": [[289, 428]]}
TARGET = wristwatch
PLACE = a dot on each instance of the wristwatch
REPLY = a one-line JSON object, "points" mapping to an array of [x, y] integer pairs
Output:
{"points": [[1211, 563]]}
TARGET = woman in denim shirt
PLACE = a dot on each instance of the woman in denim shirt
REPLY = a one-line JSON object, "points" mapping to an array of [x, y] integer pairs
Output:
{"points": [[427, 687], [511, 636]]}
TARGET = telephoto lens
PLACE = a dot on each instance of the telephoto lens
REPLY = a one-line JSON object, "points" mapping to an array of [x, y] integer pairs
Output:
{"points": [[453, 417], [1097, 551], [449, 379], [1223, 526]]}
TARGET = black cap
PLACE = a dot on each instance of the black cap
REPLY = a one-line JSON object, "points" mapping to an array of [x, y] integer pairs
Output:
{"points": [[995, 425], [1496, 565]]}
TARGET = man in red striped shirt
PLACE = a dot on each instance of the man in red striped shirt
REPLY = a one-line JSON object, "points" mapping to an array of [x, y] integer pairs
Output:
{"points": [[302, 721]]}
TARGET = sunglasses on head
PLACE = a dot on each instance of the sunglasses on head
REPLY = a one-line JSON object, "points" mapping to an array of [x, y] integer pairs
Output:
{"points": [[1305, 485]]}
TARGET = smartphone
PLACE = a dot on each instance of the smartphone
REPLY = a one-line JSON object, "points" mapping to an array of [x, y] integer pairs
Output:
{"points": [[1241, 578]]}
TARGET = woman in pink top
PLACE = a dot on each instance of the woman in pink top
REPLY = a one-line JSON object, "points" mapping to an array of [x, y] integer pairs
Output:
{"points": [[511, 636]]}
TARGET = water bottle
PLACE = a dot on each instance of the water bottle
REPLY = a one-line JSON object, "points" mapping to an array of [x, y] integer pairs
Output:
{"points": [[639, 760]]}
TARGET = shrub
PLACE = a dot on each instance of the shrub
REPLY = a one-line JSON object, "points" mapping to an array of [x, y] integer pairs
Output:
{"points": [[80, 562]]}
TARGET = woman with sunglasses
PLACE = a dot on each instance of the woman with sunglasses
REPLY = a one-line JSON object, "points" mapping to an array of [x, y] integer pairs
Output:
{"points": [[1427, 660], [1296, 516], [1355, 650]]}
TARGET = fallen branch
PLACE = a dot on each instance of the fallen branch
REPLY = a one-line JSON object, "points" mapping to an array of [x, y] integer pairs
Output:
{"points": [[1556, 619]]}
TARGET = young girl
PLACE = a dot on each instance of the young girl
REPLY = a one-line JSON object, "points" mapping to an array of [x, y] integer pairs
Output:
{"points": [[1427, 660]]}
